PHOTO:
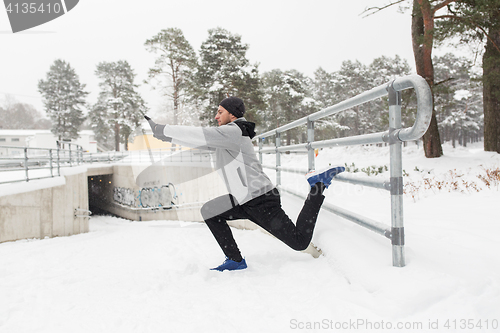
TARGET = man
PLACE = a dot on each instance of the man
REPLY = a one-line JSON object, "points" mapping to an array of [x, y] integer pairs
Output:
{"points": [[251, 193]]}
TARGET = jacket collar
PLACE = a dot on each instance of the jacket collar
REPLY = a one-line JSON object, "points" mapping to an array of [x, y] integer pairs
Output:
{"points": [[247, 127]]}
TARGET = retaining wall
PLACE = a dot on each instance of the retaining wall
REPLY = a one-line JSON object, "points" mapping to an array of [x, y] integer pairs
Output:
{"points": [[44, 208], [177, 194]]}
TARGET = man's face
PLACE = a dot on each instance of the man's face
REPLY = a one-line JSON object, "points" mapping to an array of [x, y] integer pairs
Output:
{"points": [[223, 116]]}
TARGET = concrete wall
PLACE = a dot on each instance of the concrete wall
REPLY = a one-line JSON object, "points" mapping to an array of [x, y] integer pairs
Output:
{"points": [[186, 187], [44, 208], [194, 184]]}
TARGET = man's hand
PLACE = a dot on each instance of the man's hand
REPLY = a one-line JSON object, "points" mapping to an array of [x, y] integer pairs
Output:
{"points": [[158, 130]]}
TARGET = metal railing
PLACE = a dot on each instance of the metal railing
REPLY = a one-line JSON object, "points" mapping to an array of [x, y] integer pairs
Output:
{"points": [[175, 154], [22, 164], [394, 136]]}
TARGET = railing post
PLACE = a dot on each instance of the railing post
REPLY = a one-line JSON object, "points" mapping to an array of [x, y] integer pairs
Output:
{"points": [[58, 159], [261, 142], [278, 159], [396, 172], [50, 159], [70, 155], [310, 139], [26, 163]]}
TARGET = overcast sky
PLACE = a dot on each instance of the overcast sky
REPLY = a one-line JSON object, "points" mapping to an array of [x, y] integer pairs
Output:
{"points": [[302, 35]]}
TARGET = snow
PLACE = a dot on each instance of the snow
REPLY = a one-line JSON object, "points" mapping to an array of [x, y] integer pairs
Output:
{"points": [[127, 276], [462, 94], [35, 184], [24, 187]]}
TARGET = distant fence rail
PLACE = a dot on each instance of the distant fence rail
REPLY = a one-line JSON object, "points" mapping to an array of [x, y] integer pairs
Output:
{"points": [[23, 164], [26, 163]]}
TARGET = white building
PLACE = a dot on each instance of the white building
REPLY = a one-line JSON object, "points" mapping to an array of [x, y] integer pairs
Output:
{"points": [[43, 139]]}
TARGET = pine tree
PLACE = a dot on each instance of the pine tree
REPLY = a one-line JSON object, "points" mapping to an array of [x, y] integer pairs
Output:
{"points": [[119, 107], [423, 18], [289, 96], [63, 99], [480, 20], [325, 93], [352, 79], [175, 63], [225, 71], [457, 98], [381, 71]]}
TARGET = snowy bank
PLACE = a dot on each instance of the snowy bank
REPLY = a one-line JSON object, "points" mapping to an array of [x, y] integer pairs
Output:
{"points": [[154, 276]]}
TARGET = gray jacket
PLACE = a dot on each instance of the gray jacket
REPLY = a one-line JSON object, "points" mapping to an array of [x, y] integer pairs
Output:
{"points": [[236, 161]]}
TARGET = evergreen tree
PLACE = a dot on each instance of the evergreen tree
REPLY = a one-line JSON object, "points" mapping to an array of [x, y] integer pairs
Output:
{"points": [[119, 108], [423, 18], [175, 62], [382, 70], [225, 71], [289, 96], [324, 88], [480, 20], [352, 79], [457, 98], [103, 129], [325, 93], [63, 99]]}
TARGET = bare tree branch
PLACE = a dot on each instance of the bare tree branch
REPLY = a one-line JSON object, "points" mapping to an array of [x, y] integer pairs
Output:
{"points": [[441, 5], [378, 9], [444, 81]]}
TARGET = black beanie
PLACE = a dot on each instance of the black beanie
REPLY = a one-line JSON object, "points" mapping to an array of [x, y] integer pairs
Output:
{"points": [[234, 105]]}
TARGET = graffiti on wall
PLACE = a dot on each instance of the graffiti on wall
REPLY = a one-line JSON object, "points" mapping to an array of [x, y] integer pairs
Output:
{"points": [[162, 197], [148, 197], [124, 196]]}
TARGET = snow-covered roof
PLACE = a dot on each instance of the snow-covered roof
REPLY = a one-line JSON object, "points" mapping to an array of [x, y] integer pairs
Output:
{"points": [[21, 132], [32, 132]]}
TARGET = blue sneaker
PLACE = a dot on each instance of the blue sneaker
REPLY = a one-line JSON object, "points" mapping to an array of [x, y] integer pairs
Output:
{"points": [[230, 265], [324, 176]]}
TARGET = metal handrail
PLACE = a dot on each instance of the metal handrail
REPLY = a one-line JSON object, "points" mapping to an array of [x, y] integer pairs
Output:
{"points": [[394, 136], [424, 107], [52, 160]]}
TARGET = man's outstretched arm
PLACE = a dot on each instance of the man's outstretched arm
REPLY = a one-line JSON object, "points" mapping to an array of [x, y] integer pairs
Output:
{"points": [[225, 137]]}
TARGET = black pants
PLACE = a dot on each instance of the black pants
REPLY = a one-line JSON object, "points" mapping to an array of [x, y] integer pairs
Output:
{"points": [[266, 212]]}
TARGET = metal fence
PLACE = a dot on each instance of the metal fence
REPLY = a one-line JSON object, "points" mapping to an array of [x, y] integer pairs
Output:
{"points": [[394, 136], [22, 164], [176, 154], [25, 163]]}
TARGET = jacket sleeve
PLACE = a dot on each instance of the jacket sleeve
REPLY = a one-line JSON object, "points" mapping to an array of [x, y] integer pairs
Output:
{"points": [[223, 137]]}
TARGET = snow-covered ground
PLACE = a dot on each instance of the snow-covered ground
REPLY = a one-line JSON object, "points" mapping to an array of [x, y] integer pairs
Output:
{"points": [[127, 276]]}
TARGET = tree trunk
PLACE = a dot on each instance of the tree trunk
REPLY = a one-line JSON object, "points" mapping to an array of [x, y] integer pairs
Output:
{"points": [[175, 95], [422, 38], [117, 136], [491, 90]]}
